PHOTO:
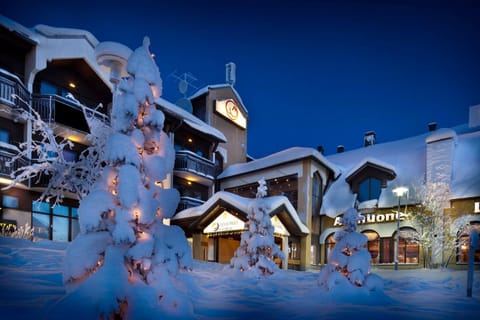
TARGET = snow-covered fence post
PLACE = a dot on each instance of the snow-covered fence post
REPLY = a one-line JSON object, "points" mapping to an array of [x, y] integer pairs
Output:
{"points": [[473, 244]]}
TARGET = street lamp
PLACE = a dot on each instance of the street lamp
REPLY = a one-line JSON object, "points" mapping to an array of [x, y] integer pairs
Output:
{"points": [[399, 192]]}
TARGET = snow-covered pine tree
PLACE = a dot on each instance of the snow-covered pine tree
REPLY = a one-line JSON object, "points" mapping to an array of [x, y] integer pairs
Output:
{"points": [[125, 259], [349, 261], [257, 251]]}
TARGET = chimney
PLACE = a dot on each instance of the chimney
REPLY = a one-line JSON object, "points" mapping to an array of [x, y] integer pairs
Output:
{"points": [[474, 116], [432, 126], [320, 149], [230, 73], [369, 138], [340, 148]]}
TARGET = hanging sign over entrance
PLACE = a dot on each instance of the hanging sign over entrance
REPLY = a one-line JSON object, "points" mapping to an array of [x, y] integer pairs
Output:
{"points": [[228, 222], [225, 222]]}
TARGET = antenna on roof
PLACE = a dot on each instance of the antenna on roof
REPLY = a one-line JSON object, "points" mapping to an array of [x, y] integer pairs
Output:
{"points": [[184, 82]]}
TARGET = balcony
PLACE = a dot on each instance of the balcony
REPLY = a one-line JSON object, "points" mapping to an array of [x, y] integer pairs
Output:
{"points": [[7, 152], [10, 88], [188, 202], [54, 108], [187, 161]]}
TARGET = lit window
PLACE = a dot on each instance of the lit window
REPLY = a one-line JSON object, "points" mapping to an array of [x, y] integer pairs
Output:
{"points": [[463, 248], [476, 208]]}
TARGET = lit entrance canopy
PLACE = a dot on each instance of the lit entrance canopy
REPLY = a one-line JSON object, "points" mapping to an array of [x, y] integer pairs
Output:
{"points": [[202, 218]]}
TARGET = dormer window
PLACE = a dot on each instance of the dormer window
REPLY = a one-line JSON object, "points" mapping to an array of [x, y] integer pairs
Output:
{"points": [[369, 189], [368, 178]]}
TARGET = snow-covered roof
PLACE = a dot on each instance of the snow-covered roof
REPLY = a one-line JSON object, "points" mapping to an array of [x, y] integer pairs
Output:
{"points": [[407, 158], [242, 204], [371, 160], [284, 156], [54, 32], [190, 119], [18, 28], [205, 90]]}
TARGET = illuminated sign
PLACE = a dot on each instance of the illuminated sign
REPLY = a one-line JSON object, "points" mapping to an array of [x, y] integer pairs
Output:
{"points": [[227, 222], [375, 218], [278, 226], [8, 225], [229, 109]]}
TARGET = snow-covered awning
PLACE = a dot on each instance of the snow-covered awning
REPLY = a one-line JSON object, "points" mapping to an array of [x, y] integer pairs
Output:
{"points": [[199, 217]]}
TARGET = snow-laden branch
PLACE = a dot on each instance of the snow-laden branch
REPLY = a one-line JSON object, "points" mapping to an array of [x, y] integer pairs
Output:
{"points": [[45, 153]]}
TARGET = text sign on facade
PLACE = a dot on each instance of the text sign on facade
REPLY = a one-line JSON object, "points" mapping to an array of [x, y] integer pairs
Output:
{"points": [[227, 222], [375, 218], [229, 109]]}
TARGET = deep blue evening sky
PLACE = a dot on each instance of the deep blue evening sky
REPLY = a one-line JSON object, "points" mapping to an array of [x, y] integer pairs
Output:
{"points": [[309, 72]]}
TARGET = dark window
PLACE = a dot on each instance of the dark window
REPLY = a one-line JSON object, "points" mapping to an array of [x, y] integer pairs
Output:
{"points": [[317, 193], [9, 202], [369, 189], [4, 136]]}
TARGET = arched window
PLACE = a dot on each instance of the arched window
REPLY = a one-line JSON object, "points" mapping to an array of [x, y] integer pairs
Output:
{"points": [[317, 193], [463, 247], [408, 248], [329, 244], [373, 245]]}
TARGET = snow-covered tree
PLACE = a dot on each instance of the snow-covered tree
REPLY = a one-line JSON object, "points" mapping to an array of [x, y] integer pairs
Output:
{"points": [[432, 224], [46, 151], [257, 251], [124, 247], [349, 261]]}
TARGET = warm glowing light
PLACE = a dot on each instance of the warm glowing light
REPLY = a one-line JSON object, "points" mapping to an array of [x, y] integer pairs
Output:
{"points": [[74, 138], [159, 184], [190, 140], [189, 183], [72, 85], [114, 192], [137, 214]]}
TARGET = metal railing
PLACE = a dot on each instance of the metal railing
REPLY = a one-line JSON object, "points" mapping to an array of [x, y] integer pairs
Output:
{"points": [[6, 167], [10, 87], [188, 202], [188, 161], [46, 106]]}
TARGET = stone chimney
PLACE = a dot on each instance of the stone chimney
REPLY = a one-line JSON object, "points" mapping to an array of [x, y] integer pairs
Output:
{"points": [[432, 126], [320, 149], [340, 148]]}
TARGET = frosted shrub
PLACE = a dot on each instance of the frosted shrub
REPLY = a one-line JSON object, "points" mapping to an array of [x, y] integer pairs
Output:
{"points": [[257, 251], [22, 232], [349, 261]]}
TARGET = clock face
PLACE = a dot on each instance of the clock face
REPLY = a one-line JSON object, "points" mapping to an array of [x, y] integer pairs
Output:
{"points": [[231, 109]]}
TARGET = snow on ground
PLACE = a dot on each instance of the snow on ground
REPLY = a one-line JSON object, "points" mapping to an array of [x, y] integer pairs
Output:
{"points": [[31, 282]]}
